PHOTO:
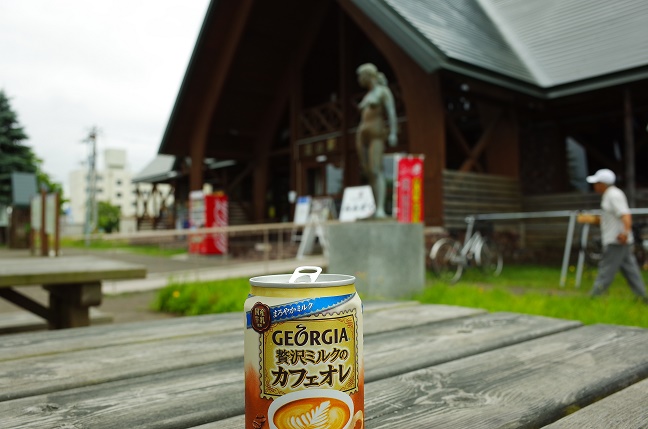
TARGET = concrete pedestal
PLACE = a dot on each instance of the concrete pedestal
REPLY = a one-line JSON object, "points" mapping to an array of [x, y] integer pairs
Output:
{"points": [[387, 258]]}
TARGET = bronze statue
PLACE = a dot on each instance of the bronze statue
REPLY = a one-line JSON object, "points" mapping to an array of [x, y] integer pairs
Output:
{"points": [[373, 130]]}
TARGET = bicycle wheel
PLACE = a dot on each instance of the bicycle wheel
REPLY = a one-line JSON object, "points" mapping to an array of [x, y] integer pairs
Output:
{"points": [[446, 259], [489, 258]]}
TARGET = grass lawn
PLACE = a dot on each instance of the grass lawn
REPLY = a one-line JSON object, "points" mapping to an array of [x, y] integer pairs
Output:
{"points": [[520, 289], [124, 246]]}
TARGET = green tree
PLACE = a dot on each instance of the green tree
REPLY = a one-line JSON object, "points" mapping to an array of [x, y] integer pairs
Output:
{"points": [[108, 217], [15, 156]]}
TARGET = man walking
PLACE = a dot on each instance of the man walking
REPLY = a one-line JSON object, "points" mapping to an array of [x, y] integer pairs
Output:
{"points": [[616, 235]]}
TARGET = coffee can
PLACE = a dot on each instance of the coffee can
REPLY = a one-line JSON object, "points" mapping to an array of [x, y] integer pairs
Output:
{"points": [[304, 352]]}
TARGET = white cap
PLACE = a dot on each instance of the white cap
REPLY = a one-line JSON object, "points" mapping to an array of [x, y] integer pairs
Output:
{"points": [[604, 176]]}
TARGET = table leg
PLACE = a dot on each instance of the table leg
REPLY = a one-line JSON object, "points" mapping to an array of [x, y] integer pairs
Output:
{"points": [[70, 304]]}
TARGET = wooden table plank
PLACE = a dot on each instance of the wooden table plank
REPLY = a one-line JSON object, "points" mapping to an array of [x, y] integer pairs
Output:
{"points": [[441, 342], [117, 352], [45, 374], [29, 376], [522, 386], [395, 318], [34, 344], [464, 338], [625, 409], [51, 342], [65, 269], [183, 398], [437, 343]]}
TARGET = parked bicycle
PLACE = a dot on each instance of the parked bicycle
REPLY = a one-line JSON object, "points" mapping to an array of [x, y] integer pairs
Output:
{"points": [[450, 257]]}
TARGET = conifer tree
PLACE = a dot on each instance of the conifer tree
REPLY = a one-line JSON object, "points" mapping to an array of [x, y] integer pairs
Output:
{"points": [[15, 156]]}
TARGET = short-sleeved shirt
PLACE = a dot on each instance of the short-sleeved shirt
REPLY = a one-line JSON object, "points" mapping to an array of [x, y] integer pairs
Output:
{"points": [[614, 205]]}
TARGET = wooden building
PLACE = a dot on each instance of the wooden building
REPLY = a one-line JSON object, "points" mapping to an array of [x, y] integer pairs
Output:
{"points": [[490, 91]]}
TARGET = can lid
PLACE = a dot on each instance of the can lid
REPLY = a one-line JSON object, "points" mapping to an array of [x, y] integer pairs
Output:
{"points": [[303, 277], [300, 273]]}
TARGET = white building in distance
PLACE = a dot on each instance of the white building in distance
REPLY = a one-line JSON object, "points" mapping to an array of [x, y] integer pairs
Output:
{"points": [[113, 185]]}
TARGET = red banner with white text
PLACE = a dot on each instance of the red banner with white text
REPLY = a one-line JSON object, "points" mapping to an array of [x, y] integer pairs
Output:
{"points": [[409, 188]]}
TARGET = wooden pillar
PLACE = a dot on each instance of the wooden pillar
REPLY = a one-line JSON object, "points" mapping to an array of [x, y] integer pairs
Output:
{"points": [[345, 138], [426, 131], [231, 19], [262, 149], [425, 111], [295, 110], [630, 184], [503, 151], [44, 242]]}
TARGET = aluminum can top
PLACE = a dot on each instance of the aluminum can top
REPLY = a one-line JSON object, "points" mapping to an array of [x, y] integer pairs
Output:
{"points": [[302, 278]]}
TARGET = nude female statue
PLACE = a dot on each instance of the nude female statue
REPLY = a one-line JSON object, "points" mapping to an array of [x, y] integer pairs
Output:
{"points": [[373, 130]]}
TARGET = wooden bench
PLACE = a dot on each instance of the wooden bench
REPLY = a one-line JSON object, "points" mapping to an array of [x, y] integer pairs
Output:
{"points": [[73, 285]]}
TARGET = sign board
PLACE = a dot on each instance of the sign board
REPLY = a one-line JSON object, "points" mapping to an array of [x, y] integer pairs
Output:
{"points": [[50, 214], [324, 207], [23, 188], [4, 216], [357, 203], [408, 189], [302, 210], [36, 207], [221, 218], [314, 229]]}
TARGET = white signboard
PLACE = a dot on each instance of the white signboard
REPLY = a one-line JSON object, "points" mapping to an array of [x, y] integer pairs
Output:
{"points": [[4, 216], [324, 207], [36, 208], [357, 203], [302, 209], [50, 214]]}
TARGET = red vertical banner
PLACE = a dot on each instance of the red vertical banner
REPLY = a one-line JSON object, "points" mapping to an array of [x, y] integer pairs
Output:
{"points": [[208, 211], [221, 218], [409, 188]]}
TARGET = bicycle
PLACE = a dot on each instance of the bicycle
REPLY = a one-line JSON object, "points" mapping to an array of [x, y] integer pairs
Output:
{"points": [[450, 258]]}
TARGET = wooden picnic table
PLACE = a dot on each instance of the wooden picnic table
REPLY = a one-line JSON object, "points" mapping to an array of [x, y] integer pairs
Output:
{"points": [[73, 284], [426, 366]]}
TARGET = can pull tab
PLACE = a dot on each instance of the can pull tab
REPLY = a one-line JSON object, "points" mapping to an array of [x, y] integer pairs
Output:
{"points": [[299, 273]]}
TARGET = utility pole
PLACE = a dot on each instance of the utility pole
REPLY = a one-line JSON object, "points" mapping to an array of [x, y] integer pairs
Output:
{"points": [[91, 186]]}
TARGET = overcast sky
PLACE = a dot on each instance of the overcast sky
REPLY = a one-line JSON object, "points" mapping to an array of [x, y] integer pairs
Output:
{"points": [[68, 65]]}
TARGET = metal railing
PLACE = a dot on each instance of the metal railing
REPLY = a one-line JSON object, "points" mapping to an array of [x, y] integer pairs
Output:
{"points": [[569, 240]]}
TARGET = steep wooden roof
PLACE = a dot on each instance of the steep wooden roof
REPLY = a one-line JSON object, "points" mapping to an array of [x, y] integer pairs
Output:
{"points": [[246, 47]]}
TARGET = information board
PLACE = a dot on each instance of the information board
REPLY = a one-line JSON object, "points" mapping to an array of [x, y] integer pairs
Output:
{"points": [[302, 209], [50, 214], [357, 203], [36, 207]]}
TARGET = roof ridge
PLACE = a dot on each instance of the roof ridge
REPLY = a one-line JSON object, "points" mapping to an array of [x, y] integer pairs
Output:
{"points": [[515, 43]]}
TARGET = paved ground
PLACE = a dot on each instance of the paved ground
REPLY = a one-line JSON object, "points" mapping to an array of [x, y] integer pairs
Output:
{"points": [[130, 300]]}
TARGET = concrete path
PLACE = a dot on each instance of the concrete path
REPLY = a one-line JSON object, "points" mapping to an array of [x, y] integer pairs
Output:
{"points": [[157, 280]]}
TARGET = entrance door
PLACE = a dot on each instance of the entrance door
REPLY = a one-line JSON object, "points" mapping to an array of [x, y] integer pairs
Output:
{"points": [[324, 178]]}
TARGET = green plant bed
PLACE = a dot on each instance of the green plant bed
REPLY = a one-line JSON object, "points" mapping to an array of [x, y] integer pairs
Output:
{"points": [[190, 299], [520, 289]]}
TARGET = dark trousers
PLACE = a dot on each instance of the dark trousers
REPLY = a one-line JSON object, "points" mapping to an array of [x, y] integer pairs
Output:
{"points": [[618, 257]]}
